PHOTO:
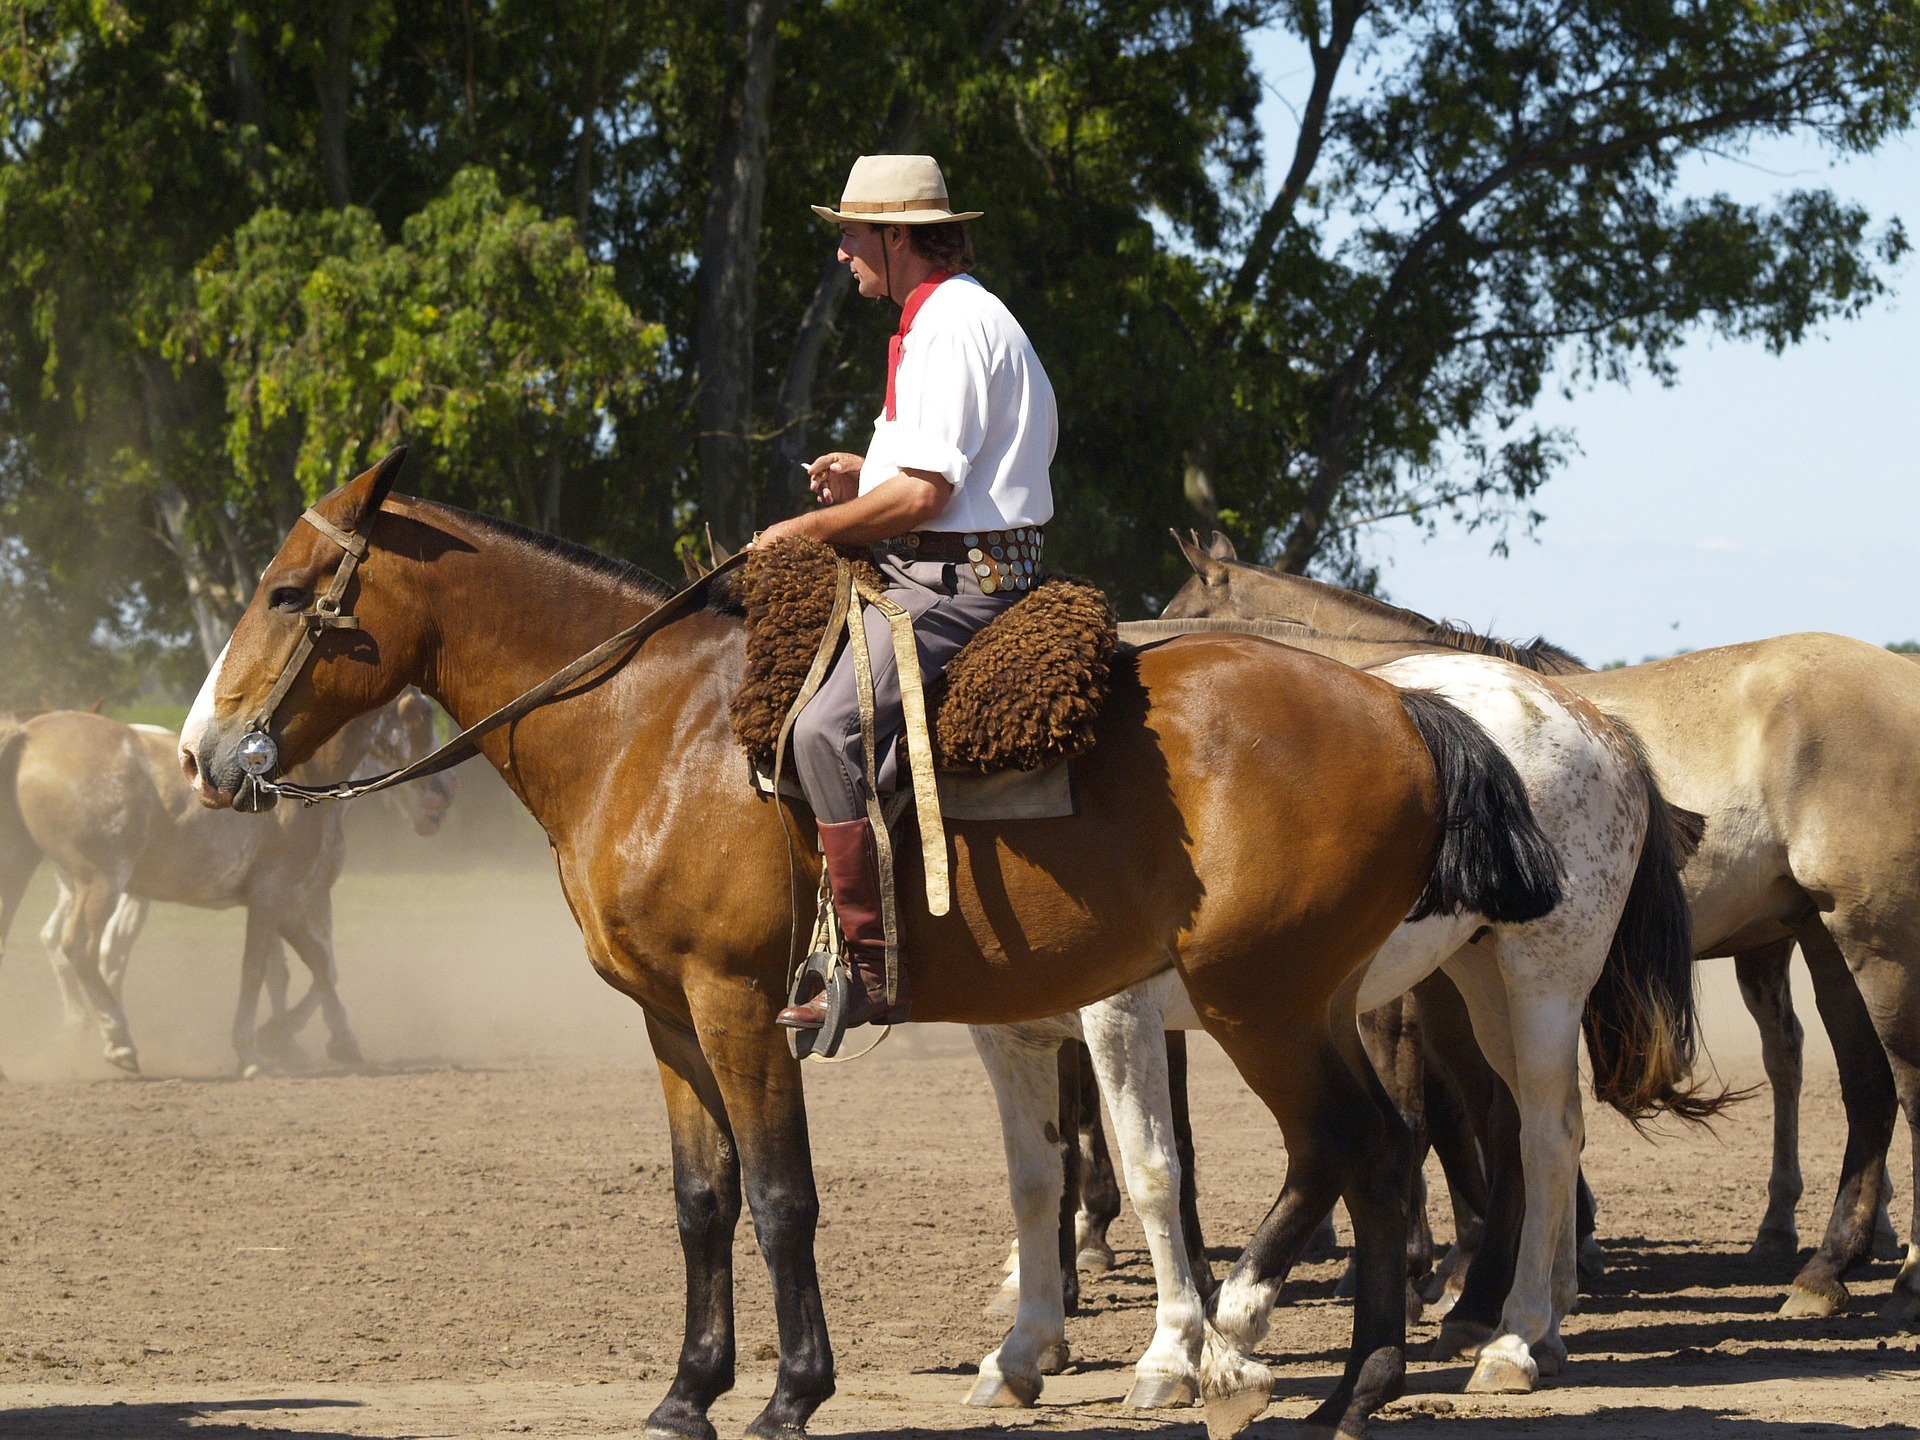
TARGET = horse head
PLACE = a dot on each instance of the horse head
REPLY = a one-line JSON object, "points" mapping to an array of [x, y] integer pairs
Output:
{"points": [[405, 735], [309, 653]]}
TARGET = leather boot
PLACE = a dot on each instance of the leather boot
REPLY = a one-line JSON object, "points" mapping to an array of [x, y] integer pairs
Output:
{"points": [[853, 874]]}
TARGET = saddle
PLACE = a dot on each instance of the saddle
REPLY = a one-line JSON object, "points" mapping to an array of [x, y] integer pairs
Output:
{"points": [[1021, 698]]}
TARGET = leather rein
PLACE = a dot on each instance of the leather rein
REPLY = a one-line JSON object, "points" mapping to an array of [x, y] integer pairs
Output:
{"points": [[259, 755]]}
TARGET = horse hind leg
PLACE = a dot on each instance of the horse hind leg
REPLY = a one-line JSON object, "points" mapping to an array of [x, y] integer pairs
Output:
{"points": [[1765, 987], [1868, 1093], [75, 1005], [1126, 1037], [311, 935], [1343, 1136], [1025, 1072], [94, 901], [129, 919]]}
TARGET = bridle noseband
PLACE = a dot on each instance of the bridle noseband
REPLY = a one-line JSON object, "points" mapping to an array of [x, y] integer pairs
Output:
{"points": [[258, 754]]}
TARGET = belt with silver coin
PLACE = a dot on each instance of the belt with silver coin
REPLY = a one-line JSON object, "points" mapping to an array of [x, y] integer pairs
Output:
{"points": [[999, 559]]}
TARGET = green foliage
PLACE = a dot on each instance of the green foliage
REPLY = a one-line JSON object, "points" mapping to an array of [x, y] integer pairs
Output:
{"points": [[244, 246], [486, 336], [1905, 647]]}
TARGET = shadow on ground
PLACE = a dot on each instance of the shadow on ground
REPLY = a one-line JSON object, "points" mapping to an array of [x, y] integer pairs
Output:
{"points": [[194, 1420]]}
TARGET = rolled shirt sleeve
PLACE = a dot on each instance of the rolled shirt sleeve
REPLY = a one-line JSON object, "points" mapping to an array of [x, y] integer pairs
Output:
{"points": [[940, 405]]}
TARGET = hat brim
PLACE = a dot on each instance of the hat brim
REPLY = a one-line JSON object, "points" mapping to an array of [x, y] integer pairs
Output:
{"points": [[896, 217]]}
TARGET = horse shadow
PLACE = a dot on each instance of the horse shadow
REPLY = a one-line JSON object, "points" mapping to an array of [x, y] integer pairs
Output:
{"points": [[172, 1420]]}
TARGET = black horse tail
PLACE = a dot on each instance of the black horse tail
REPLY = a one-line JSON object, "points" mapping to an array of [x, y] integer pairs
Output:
{"points": [[1641, 1016], [1493, 859]]}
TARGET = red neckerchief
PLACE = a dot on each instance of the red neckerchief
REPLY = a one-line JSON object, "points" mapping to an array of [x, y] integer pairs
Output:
{"points": [[907, 311]]}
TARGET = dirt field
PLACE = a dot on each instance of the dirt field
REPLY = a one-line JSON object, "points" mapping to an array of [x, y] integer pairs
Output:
{"points": [[478, 1239]]}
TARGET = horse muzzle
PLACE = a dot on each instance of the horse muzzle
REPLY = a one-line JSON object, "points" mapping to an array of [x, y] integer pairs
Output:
{"points": [[235, 777]]}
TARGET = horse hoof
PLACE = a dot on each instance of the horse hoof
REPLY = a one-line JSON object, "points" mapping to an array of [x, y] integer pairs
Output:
{"points": [[346, 1053], [122, 1057], [1055, 1358], [1550, 1356], [1348, 1282], [994, 1391], [1902, 1307], [1592, 1261], [251, 1070], [1803, 1303], [1460, 1340], [1886, 1246], [1162, 1392], [1440, 1308], [1504, 1368], [1095, 1257], [1774, 1244], [1230, 1414]]}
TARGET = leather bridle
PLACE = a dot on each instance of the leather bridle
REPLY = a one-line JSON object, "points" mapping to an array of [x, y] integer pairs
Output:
{"points": [[260, 756]]}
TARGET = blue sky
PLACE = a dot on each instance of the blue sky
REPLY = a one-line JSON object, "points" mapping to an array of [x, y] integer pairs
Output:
{"points": [[1762, 494]]}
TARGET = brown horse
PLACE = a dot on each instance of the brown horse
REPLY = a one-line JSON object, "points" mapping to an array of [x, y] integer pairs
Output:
{"points": [[678, 874], [1803, 753]]}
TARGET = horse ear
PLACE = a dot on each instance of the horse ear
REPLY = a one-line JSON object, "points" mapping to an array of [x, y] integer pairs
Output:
{"points": [[716, 552], [369, 489], [1208, 568], [1221, 548], [690, 563]]}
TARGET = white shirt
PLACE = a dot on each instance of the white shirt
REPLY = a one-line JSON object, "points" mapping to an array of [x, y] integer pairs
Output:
{"points": [[973, 404]]}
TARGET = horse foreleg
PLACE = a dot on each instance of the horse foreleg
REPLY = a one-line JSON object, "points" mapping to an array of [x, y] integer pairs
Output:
{"points": [[1190, 1231], [1024, 1069], [1099, 1191], [759, 1084], [1460, 1087], [261, 942], [1067, 1232], [1766, 987], [1871, 1102], [706, 1193], [1127, 1039]]}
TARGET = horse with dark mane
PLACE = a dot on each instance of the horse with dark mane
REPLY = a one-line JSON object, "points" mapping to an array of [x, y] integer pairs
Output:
{"points": [[678, 873], [1803, 754]]}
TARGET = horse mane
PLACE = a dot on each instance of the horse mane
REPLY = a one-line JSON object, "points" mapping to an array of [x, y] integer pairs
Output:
{"points": [[1538, 654], [570, 552]]}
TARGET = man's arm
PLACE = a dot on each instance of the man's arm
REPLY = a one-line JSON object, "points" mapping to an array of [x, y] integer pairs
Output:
{"points": [[893, 507]]}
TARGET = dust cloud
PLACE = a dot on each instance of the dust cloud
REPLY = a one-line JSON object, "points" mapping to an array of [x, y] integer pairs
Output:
{"points": [[455, 949], [458, 950]]}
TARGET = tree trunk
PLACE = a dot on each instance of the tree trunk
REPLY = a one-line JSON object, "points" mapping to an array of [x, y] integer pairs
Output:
{"points": [[589, 120], [335, 84], [214, 611], [729, 263]]}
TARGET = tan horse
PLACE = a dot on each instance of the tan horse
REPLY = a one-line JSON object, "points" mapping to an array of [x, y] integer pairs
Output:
{"points": [[678, 873], [105, 803], [1803, 752]]}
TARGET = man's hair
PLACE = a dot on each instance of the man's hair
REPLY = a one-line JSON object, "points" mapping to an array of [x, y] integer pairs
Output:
{"points": [[948, 245]]}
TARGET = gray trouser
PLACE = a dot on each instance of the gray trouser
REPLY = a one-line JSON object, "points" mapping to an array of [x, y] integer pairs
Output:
{"points": [[948, 610]]}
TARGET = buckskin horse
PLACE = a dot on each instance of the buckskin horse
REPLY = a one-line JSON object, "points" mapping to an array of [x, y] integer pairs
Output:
{"points": [[105, 804], [1261, 816], [1803, 753]]}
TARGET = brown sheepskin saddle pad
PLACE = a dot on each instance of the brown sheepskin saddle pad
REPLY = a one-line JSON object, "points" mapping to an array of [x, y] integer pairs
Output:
{"points": [[1023, 694]]}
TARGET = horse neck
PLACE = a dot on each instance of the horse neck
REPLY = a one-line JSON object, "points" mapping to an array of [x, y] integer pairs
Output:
{"points": [[1334, 611], [508, 616]]}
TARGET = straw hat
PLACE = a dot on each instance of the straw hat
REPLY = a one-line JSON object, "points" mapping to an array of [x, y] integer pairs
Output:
{"points": [[894, 190]]}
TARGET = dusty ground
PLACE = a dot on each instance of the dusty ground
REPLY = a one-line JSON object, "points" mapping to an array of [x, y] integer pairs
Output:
{"points": [[478, 1239]]}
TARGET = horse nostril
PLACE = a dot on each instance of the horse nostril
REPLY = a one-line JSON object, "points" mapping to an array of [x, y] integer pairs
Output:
{"points": [[189, 764]]}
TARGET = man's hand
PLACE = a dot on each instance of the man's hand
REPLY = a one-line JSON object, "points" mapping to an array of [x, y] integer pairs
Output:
{"points": [[835, 477]]}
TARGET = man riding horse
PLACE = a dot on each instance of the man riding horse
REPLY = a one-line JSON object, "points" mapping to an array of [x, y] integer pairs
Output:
{"points": [[952, 493]]}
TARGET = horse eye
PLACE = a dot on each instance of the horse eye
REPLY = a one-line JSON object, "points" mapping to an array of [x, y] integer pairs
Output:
{"points": [[288, 597]]}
